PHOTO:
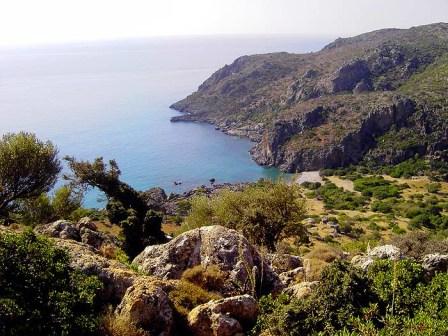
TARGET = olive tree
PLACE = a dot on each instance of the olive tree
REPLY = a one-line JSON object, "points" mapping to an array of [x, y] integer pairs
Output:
{"points": [[126, 206], [28, 168]]}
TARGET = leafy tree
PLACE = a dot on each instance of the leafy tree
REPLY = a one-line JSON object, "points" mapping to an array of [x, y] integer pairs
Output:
{"points": [[45, 208], [126, 206], [265, 212], [65, 201], [28, 168], [40, 294]]}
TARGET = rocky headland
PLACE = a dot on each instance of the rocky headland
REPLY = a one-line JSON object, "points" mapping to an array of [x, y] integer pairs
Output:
{"points": [[377, 97]]}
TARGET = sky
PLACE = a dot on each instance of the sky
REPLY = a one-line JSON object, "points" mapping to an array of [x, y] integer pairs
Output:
{"points": [[54, 21]]}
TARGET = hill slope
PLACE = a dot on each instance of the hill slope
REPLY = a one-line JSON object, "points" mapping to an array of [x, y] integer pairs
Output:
{"points": [[379, 96]]}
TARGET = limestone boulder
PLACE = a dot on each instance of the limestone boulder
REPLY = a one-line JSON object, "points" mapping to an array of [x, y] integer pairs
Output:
{"points": [[301, 290], [243, 267], [115, 276], [435, 262], [283, 262], [226, 317], [146, 306], [60, 229]]}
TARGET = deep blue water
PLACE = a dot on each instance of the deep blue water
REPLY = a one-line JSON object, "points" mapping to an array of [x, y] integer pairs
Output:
{"points": [[112, 99]]}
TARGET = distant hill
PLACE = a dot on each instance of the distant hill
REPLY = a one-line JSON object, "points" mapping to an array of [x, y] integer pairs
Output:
{"points": [[380, 96]]}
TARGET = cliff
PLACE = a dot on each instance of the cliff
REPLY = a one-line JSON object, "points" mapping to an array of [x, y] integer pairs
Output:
{"points": [[380, 96]]}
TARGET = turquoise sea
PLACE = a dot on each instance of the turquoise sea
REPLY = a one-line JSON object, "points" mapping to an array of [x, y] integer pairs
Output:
{"points": [[112, 99]]}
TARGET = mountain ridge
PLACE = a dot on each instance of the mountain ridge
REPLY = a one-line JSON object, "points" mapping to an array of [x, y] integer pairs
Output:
{"points": [[335, 107]]}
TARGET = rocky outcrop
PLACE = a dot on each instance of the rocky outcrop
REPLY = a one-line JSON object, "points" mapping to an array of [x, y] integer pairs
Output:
{"points": [[60, 229], [266, 98], [301, 290], [244, 268], [349, 75], [435, 262], [273, 149], [146, 306], [389, 252], [84, 231], [115, 276], [283, 262], [227, 317]]}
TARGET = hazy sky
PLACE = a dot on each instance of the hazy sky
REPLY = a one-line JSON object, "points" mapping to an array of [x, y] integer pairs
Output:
{"points": [[43, 21]]}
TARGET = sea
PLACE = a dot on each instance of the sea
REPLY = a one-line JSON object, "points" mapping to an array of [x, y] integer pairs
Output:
{"points": [[111, 99]]}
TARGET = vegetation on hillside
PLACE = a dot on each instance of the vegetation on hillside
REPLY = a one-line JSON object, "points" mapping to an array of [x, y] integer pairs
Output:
{"points": [[40, 294]]}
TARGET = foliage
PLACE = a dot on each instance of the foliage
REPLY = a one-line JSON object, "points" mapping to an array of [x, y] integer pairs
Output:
{"points": [[339, 199], [28, 168], [126, 206], [376, 186], [265, 212], [417, 243], [39, 293], [392, 296], [65, 204], [434, 187], [210, 278]]}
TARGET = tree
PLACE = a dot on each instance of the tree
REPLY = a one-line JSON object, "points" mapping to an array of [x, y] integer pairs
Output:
{"points": [[28, 168], [126, 206], [40, 294], [265, 212]]}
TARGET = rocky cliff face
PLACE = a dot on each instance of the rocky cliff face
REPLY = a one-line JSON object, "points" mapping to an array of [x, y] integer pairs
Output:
{"points": [[333, 107]]}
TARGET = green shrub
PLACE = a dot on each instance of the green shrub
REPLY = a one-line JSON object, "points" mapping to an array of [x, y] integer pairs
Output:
{"points": [[339, 199], [28, 168], [40, 294], [265, 212], [434, 187], [391, 297], [382, 206], [377, 187]]}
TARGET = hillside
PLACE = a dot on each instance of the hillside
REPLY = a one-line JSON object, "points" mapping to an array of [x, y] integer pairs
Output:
{"points": [[378, 97]]}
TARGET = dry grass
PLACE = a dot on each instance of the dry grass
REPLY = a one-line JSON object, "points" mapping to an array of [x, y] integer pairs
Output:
{"points": [[347, 185], [210, 278], [113, 325]]}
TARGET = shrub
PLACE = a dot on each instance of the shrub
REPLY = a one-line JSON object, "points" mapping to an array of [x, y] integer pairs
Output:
{"points": [[28, 168], [391, 297], [434, 187], [382, 206], [377, 187], [40, 294], [65, 204], [210, 278], [65, 201], [339, 199], [264, 212]]}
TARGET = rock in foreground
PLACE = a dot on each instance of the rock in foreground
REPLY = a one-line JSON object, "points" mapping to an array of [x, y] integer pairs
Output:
{"points": [[213, 245]]}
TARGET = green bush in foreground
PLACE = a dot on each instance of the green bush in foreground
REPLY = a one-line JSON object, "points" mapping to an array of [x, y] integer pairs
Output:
{"points": [[28, 168], [39, 293], [264, 212], [391, 298]]}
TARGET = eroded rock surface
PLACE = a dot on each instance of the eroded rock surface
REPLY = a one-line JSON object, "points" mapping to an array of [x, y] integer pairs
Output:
{"points": [[227, 317], [212, 245]]}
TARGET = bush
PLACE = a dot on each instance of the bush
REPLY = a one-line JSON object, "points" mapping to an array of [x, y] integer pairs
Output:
{"points": [[377, 187], [264, 212], [382, 206], [40, 294], [391, 297], [65, 204], [28, 168], [339, 199], [210, 278], [434, 188]]}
